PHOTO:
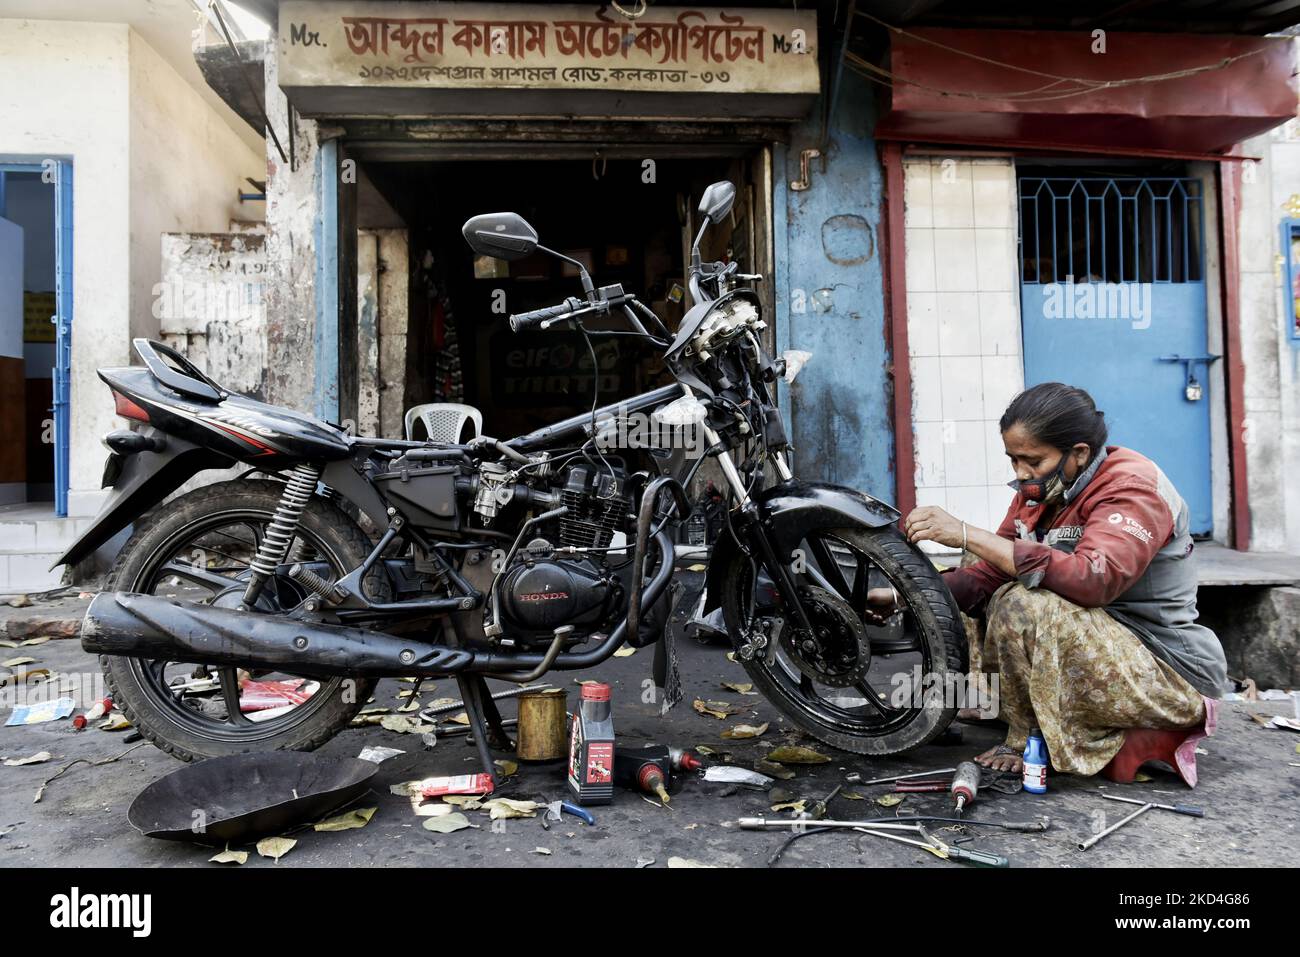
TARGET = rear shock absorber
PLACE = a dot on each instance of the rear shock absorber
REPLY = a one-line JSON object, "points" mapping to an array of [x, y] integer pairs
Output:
{"points": [[282, 529]]}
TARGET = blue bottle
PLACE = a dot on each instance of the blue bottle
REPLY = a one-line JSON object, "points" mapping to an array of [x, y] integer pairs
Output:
{"points": [[1035, 773]]}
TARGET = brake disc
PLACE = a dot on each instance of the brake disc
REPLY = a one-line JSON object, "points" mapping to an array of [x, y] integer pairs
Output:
{"points": [[837, 652]]}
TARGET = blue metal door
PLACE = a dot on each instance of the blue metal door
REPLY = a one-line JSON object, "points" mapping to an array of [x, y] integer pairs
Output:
{"points": [[1113, 301]]}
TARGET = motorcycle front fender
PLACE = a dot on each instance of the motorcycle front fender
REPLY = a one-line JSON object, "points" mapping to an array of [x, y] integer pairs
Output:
{"points": [[145, 479], [786, 513]]}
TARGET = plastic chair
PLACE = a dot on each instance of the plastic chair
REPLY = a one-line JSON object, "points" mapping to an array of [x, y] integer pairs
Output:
{"points": [[445, 422]]}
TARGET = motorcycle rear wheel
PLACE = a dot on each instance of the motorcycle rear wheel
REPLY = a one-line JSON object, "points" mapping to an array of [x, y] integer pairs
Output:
{"points": [[861, 716], [185, 548]]}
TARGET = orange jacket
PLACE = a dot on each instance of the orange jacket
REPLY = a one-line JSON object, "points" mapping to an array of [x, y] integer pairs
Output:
{"points": [[1121, 543]]}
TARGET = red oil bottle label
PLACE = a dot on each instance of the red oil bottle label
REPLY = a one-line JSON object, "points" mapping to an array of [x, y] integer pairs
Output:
{"points": [[600, 762]]}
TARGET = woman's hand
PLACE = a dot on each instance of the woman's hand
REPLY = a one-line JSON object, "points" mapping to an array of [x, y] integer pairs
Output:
{"points": [[931, 524], [881, 604]]}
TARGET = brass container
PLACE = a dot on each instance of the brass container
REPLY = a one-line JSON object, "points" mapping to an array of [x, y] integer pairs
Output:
{"points": [[542, 732]]}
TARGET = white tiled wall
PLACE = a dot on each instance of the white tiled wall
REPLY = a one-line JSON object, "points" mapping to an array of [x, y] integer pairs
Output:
{"points": [[963, 327]]}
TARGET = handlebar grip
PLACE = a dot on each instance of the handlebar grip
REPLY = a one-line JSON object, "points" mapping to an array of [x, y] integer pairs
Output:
{"points": [[528, 320]]}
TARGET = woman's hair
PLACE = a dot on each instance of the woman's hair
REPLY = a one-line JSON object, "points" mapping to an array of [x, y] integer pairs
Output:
{"points": [[1058, 415]]}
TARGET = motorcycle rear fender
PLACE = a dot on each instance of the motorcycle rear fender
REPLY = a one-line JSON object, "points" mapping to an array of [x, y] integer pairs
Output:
{"points": [[146, 478], [786, 512]]}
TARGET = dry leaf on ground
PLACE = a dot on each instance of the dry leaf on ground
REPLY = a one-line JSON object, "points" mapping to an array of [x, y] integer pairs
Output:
{"points": [[795, 754], [745, 731], [275, 847], [357, 817]]}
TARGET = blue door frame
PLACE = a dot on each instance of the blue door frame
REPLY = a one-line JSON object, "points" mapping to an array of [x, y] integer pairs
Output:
{"points": [[62, 319], [326, 228]]}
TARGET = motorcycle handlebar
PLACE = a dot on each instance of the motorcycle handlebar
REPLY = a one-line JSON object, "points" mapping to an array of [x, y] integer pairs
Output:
{"points": [[528, 320]]}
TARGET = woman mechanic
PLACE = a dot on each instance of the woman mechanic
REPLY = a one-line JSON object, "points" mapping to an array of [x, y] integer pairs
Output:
{"points": [[1083, 602]]}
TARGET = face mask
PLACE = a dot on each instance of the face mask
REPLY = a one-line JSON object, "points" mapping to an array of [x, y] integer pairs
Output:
{"points": [[1045, 491]]}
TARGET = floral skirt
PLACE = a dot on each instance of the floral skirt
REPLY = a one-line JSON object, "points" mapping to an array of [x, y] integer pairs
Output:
{"points": [[1076, 673]]}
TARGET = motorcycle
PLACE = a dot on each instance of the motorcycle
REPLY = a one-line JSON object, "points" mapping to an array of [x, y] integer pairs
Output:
{"points": [[256, 613]]}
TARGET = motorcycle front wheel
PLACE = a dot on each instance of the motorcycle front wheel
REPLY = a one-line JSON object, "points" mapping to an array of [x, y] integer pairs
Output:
{"points": [[851, 680]]}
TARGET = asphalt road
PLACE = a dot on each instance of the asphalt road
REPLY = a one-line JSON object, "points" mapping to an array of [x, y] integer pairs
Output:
{"points": [[1250, 789]]}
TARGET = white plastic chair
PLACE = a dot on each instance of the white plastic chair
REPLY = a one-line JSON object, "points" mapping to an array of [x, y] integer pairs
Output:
{"points": [[445, 422]]}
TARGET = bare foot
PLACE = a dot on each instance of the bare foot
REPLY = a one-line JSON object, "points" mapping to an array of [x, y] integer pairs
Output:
{"points": [[1002, 758], [969, 714]]}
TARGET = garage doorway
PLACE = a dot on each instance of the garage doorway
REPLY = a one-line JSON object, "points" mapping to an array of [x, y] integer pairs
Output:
{"points": [[628, 220]]}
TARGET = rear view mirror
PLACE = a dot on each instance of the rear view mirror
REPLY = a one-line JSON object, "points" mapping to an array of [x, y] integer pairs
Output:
{"points": [[500, 235], [716, 201]]}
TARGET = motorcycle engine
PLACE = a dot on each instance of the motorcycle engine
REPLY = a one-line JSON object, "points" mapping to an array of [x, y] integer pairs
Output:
{"points": [[539, 593], [542, 589]]}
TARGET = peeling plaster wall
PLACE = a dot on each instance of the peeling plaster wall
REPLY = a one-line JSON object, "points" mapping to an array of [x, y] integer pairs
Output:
{"points": [[211, 305], [394, 320], [292, 212], [367, 333], [186, 170], [1285, 157], [1272, 362], [830, 299], [1263, 349]]}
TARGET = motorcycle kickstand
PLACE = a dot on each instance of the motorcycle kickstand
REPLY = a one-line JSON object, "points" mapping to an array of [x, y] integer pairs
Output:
{"points": [[498, 739], [470, 686]]}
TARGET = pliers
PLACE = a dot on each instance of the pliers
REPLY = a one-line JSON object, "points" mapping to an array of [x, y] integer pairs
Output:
{"points": [[554, 810]]}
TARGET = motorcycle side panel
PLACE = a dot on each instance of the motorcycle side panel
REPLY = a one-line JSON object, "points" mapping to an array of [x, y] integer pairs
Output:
{"points": [[145, 480]]}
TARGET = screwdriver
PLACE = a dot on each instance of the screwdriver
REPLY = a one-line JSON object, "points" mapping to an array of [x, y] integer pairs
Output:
{"points": [[1187, 809], [818, 809], [965, 785]]}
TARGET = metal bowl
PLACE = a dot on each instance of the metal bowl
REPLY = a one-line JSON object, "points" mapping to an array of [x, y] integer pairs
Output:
{"points": [[241, 797]]}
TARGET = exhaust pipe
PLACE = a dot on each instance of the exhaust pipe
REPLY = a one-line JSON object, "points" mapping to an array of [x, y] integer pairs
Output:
{"points": [[146, 626]]}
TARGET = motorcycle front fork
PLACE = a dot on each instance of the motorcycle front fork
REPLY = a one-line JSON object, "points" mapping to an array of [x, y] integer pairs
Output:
{"points": [[754, 534]]}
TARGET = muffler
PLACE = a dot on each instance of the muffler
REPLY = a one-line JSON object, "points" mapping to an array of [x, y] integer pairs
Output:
{"points": [[147, 626]]}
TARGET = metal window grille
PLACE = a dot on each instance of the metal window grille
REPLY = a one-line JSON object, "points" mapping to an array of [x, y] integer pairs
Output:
{"points": [[1098, 229]]}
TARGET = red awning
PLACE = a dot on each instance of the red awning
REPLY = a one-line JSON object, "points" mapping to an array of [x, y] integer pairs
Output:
{"points": [[940, 96]]}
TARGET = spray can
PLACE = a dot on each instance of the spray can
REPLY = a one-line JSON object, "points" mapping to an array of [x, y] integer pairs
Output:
{"points": [[591, 747], [1035, 758]]}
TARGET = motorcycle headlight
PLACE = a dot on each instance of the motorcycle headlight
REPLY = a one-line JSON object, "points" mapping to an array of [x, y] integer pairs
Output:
{"points": [[685, 411], [726, 318]]}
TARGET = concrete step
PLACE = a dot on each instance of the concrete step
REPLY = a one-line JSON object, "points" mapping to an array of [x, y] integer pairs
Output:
{"points": [[28, 573], [31, 538]]}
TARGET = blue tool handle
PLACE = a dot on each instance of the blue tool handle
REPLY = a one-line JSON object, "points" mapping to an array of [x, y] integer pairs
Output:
{"points": [[1188, 809], [578, 812]]}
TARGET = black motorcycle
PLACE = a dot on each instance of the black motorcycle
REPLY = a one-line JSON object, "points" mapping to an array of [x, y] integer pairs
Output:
{"points": [[257, 613]]}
